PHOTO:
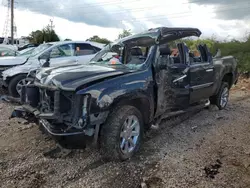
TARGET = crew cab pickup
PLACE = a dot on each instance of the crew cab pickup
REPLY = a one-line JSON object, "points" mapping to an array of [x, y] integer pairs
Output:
{"points": [[129, 85]]}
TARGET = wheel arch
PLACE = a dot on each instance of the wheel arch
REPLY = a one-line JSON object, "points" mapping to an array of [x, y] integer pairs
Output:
{"points": [[8, 79], [12, 85], [228, 77], [141, 103]]}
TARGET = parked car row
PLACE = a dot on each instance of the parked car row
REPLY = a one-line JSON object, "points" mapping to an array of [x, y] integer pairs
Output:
{"points": [[7, 50], [12, 51], [118, 93]]}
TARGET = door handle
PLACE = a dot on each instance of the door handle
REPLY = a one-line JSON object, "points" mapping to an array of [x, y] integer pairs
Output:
{"points": [[209, 70], [180, 78]]}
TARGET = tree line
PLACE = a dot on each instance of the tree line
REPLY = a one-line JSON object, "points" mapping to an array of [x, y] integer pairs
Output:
{"points": [[48, 34]]}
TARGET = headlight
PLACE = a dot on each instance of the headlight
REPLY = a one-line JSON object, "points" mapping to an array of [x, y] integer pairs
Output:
{"points": [[84, 112]]}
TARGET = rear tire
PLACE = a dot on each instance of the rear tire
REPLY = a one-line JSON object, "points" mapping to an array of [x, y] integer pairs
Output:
{"points": [[12, 87], [121, 135], [221, 99]]}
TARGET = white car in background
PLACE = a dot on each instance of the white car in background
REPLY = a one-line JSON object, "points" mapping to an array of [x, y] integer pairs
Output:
{"points": [[7, 50], [7, 62], [58, 53], [8, 53]]}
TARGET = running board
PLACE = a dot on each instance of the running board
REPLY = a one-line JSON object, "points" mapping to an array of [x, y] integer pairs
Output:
{"points": [[179, 112]]}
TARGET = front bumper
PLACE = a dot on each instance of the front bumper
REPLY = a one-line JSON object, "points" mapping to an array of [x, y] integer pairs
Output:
{"points": [[55, 121], [51, 129], [2, 81], [77, 120]]}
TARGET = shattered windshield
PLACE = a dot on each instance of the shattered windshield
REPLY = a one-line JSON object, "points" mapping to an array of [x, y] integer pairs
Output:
{"points": [[39, 49], [108, 52], [113, 55]]}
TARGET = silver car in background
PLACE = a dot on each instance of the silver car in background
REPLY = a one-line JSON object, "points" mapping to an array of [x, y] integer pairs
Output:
{"points": [[58, 53]]}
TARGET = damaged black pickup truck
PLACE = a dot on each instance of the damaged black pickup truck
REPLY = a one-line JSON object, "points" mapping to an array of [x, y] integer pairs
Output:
{"points": [[131, 84]]}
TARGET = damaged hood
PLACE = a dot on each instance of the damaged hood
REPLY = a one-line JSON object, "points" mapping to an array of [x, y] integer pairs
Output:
{"points": [[11, 61], [69, 78]]}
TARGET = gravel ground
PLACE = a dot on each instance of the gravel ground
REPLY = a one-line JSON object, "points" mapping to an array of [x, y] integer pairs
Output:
{"points": [[209, 148]]}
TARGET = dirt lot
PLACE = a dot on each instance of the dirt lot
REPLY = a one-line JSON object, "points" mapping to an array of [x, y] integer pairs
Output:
{"points": [[209, 148]]}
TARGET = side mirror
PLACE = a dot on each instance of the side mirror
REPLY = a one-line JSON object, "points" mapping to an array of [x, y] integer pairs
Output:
{"points": [[46, 63], [44, 59]]}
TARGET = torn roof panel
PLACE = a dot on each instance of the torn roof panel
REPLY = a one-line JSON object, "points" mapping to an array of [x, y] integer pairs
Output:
{"points": [[159, 35]]}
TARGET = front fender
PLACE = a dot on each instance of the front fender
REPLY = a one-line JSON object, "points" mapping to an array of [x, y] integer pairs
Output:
{"points": [[123, 89], [22, 69]]}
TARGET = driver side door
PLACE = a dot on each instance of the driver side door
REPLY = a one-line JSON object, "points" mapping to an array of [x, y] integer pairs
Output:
{"points": [[178, 82], [172, 82]]}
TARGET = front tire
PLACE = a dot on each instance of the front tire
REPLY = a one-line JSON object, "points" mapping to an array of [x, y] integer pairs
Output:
{"points": [[15, 84], [221, 99], [121, 135]]}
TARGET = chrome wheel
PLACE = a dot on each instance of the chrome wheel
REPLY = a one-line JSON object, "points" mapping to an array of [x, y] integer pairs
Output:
{"points": [[21, 83], [224, 97], [129, 134]]}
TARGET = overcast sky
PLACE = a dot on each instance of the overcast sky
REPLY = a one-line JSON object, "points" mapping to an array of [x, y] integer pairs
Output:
{"points": [[81, 19]]}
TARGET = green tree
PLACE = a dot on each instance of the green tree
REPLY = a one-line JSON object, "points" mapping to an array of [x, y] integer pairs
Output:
{"points": [[124, 33], [35, 36], [96, 38], [67, 40], [45, 35]]}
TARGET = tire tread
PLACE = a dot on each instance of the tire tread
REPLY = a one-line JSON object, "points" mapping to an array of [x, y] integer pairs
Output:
{"points": [[110, 130]]}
